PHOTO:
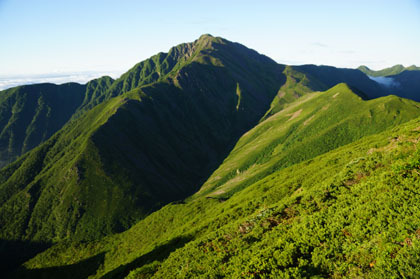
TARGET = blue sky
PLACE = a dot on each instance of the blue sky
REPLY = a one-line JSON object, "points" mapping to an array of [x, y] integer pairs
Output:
{"points": [[43, 37]]}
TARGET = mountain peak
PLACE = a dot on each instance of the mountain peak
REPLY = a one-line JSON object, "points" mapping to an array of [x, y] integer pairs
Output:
{"points": [[341, 87], [207, 40], [347, 89], [206, 37], [362, 67]]}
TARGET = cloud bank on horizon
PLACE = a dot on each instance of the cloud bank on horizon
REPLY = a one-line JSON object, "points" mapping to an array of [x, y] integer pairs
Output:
{"points": [[40, 36], [56, 78]]}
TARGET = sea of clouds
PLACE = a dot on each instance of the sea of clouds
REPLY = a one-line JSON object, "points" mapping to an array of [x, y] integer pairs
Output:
{"points": [[56, 78]]}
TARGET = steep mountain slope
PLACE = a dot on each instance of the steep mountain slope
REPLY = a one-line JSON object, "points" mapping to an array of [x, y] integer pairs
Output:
{"points": [[351, 212], [314, 124], [309, 78], [394, 70], [30, 114], [94, 90], [407, 85], [165, 65], [135, 152], [22, 129], [330, 76], [156, 134]]}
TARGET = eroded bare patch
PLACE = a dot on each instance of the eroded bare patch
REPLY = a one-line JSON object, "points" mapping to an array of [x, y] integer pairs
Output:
{"points": [[294, 115], [308, 120]]}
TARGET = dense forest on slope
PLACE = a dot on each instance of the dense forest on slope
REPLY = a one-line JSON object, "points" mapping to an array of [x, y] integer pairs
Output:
{"points": [[211, 160]]}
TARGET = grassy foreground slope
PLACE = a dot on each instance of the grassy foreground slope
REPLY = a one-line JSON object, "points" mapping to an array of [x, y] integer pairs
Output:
{"points": [[351, 212], [135, 152], [312, 125]]}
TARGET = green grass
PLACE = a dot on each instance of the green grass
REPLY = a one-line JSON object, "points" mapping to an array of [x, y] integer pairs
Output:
{"points": [[347, 213], [282, 193], [312, 125]]}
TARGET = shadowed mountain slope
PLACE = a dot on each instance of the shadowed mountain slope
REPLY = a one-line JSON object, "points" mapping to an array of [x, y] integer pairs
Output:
{"points": [[301, 80], [227, 135], [137, 151], [350, 212], [31, 114], [407, 85]]}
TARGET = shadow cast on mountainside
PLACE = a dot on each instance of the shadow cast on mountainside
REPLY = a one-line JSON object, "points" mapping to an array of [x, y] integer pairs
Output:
{"points": [[82, 269], [13, 253], [158, 254]]}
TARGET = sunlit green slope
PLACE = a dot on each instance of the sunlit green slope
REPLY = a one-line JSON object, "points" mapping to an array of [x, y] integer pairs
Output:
{"points": [[155, 135], [351, 212], [314, 124]]}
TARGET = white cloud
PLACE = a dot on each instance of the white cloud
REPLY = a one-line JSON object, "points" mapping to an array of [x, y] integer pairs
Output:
{"points": [[386, 81], [56, 78]]}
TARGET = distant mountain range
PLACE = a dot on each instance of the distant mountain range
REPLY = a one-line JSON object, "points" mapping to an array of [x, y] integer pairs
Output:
{"points": [[391, 71], [210, 160]]}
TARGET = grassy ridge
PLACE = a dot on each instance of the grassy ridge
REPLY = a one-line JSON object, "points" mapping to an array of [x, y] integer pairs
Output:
{"points": [[349, 212], [157, 134], [314, 124]]}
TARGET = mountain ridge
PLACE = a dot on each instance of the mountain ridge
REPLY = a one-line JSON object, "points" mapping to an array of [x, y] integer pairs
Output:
{"points": [[167, 136], [164, 67], [391, 71], [312, 125], [195, 129]]}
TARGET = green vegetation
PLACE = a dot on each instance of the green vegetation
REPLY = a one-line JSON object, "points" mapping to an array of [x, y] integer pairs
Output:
{"points": [[327, 77], [131, 154], [30, 114], [212, 161], [297, 84], [397, 80], [312, 125], [391, 71], [351, 212]]}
